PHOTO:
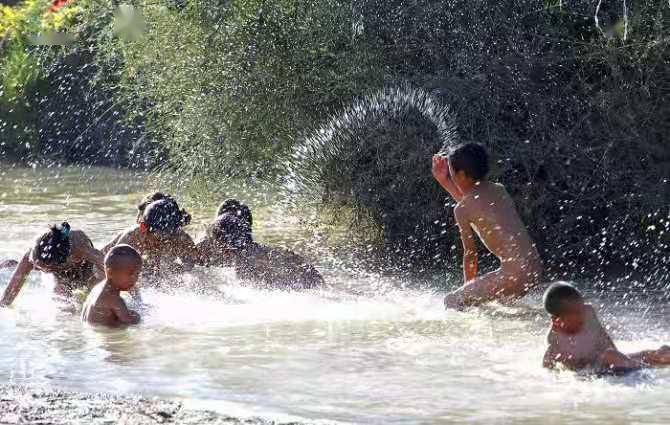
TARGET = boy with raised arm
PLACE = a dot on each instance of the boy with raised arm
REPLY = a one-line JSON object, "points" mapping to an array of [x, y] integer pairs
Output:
{"points": [[104, 305], [578, 340], [485, 208]]}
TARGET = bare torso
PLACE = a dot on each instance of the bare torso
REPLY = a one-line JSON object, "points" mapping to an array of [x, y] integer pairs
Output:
{"points": [[264, 265], [171, 255], [99, 306], [276, 267], [582, 349], [493, 216], [79, 271]]}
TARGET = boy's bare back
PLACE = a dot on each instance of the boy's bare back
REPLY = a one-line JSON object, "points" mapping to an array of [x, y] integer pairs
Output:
{"points": [[491, 213]]}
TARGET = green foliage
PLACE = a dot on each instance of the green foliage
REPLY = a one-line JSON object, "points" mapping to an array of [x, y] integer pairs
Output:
{"points": [[22, 70], [232, 84], [374, 159], [575, 113]]}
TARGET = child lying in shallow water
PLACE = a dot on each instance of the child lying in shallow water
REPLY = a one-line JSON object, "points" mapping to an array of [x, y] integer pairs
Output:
{"points": [[67, 254], [229, 243], [579, 341], [159, 237], [104, 305]]}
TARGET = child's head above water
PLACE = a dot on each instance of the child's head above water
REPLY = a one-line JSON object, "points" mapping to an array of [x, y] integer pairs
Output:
{"points": [[122, 267], [147, 200], [231, 231], [164, 217], [237, 208], [469, 160], [52, 248], [565, 304]]}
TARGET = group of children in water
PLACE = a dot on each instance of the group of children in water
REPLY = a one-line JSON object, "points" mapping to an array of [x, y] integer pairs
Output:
{"points": [[159, 240], [158, 244]]}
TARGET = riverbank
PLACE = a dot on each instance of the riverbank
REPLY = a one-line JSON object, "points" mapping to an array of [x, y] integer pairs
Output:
{"points": [[25, 405]]}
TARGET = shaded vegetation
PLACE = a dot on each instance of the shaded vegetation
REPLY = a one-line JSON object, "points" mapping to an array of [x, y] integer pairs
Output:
{"points": [[574, 109]]}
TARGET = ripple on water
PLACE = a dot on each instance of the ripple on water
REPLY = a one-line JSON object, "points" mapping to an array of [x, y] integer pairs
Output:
{"points": [[362, 351]]}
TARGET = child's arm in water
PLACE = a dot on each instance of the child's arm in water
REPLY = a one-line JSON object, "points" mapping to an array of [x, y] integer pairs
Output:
{"points": [[441, 174], [550, 356], [123, 314], [187, 251], [470, 263], [86, 251], [17, 280]]}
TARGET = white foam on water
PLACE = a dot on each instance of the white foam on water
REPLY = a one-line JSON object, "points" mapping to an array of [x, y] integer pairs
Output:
{"points": [[368, 349]]}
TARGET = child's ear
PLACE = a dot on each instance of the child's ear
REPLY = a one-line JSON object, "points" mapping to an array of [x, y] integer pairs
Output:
{"points": [[144, 228]]}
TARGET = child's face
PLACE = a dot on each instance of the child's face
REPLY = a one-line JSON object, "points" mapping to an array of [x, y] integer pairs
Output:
{"points": [[571, 320], [124, 277], [458, 177]]}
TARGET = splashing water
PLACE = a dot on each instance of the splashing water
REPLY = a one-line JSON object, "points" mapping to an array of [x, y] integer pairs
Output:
{"points": [[344, 136], [374, 159], [369, 349]]}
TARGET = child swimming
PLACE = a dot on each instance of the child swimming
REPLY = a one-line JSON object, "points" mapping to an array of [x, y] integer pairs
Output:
{"points": [[578, 340], [67, 254], [160, 238], [487, 209], [229, 243], [104, 305]]}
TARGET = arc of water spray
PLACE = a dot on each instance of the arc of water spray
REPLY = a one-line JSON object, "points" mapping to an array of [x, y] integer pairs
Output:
{"points": [[324, 144]]}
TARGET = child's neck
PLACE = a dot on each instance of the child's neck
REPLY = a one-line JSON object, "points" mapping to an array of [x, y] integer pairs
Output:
{"points": [[470, 186], [109, 286]]}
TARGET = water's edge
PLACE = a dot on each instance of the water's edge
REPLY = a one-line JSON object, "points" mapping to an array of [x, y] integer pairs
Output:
{"points": [[26, 405]]}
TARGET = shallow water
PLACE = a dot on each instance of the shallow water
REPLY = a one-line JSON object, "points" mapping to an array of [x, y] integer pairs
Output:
{"points": [[369, 349]]}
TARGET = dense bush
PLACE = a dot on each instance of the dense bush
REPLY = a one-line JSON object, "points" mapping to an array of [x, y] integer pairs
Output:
{"points": [[231, 84], [50, 108], [575, 113], [372, 159]]}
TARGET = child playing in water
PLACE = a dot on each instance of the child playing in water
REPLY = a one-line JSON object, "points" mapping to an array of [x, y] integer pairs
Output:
{"points": [[578, 340], [148, 200], [67, 254], [104, 305], [487, 209], [229, 243], [237, 208], [160, 238]]}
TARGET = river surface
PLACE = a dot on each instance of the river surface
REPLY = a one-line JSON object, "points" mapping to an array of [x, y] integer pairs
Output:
{"points": [[368, 349]]}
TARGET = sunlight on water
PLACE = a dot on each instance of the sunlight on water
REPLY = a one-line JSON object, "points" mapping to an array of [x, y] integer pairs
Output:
{"points": [[367, 349]]}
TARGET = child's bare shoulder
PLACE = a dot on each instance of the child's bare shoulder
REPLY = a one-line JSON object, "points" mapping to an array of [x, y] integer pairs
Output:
{"points": [[79, 237], [184, 237], [128, 236]]}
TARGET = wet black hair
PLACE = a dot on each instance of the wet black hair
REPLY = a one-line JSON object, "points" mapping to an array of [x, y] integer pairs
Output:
{"points": [[165, 215], [237, 208], [558, 295], [472, 158], [148, 199], [122, 254], [231, 230], [54, 247]]}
